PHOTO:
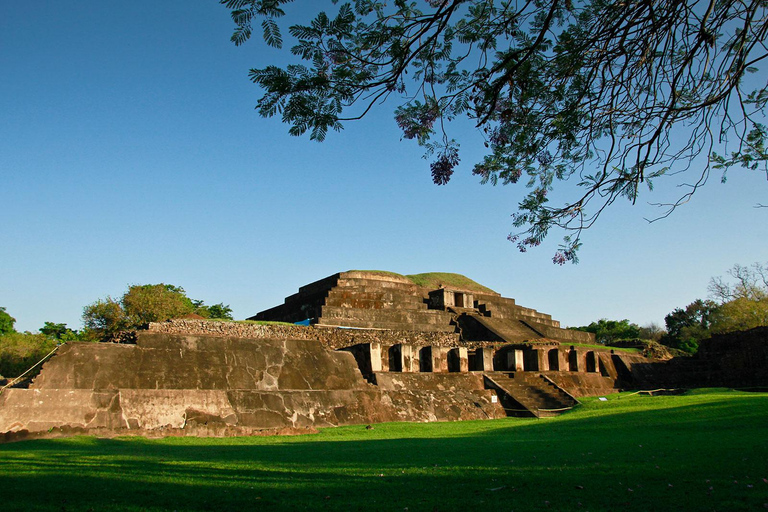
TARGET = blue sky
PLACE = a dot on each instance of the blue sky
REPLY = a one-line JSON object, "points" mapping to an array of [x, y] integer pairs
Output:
{"points": [[130, 153]]}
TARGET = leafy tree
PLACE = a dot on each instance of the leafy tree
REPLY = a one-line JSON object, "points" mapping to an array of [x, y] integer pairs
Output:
{"points": [[740, 315], [220, 311], [610, 94], [59, 332], [744, 303], [607, 331], [143, 304], [105, 316], [751, 284], [6, 322], [155, 303], [651, 331], [687, 327], [19, 351]]}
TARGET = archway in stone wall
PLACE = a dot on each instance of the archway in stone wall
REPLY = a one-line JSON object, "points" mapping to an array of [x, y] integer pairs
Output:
{"points": [[553, 360], [454, 360], [472, 360], [603, 370], [395, 358], [591, 362], [425, 359], [531, 360], [573, 360]]}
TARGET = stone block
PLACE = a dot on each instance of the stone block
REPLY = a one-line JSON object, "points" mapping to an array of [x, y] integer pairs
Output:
{"points": [[406, 352], [458, 360], [484, 357], [515, 360], [439, 359]]}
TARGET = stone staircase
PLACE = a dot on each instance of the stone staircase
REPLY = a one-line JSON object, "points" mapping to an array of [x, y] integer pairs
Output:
{"points": [[530, 320], [365, 302], [506, 330], [502, 307], [529, 394]]}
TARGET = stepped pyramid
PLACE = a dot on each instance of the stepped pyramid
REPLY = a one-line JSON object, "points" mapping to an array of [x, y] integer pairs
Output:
{"points": [[448, 303]]}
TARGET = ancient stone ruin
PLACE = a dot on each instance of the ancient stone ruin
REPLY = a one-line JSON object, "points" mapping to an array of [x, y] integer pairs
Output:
{"points": [[378, 347]]}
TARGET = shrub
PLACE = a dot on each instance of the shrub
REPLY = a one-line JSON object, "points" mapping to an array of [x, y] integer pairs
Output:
{"points": [[19, 351]]}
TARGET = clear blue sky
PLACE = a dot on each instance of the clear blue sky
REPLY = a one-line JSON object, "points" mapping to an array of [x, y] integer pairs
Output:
{"points": [[130, 153]]}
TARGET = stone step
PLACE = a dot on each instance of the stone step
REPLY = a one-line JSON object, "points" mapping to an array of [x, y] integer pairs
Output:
{"points": [[354, 303], [391, 316], [373, 283], [532, 392], [374, 292], [506, 308], [367, 291], [378, 294], [394, 326]]}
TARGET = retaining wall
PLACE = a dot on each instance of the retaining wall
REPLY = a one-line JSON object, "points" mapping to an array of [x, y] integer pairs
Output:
{"points": [[332, 338]]}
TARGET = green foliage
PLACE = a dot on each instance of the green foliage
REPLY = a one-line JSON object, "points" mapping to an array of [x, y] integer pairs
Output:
{"points": [[631, 350], [105, 316], [740, 315], [651, 331], [686, 328], [220, 311], [750, 283], [155, 303], [60, 332], [6, 322], [19, 351], [215, 312], [607, 331], [143, 304], [743, 302], [436, 279], [613, 95], [629, 454]]}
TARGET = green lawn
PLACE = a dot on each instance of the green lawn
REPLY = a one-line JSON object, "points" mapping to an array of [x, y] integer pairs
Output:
{"points": [[604, 347], [707, 450]]}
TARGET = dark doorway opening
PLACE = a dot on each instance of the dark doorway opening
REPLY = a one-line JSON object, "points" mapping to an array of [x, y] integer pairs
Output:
{"points": [[395, 358], [425, 359]]}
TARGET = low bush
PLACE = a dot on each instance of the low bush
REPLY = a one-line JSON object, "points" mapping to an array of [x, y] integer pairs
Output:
{"points": [[19, 351]]}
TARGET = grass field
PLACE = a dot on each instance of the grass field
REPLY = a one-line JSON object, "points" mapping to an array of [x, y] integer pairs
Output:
{"points": [[707, 450]]}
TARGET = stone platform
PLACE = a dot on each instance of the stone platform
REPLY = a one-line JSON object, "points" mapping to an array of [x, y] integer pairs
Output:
{"points": [[384, 300], [212, 384]]}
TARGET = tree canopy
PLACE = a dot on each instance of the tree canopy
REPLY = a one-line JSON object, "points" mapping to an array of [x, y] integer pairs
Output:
{"points": [[146, 303], [743, 303], [686, 327], [607, 331], [611, 95], [6, 322]]}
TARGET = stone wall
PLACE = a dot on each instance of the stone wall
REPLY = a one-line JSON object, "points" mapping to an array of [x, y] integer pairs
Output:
{"points": [[332, 338], [218, 385]]}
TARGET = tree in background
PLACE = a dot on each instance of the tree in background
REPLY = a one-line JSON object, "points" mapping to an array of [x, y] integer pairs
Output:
{"points": [[105, 316], [611, 95], [687, 327], [143, 304], [607, 331], [219, 311], [651, 331], [155, 303], [59, 332], [743, 303], [6, 322], [20, 351], [751, 284]]}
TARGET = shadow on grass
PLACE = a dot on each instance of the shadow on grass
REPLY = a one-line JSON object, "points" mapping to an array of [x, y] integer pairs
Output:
{"points": [[704, 453]]}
